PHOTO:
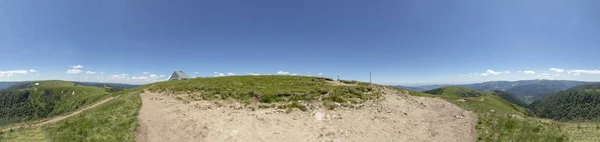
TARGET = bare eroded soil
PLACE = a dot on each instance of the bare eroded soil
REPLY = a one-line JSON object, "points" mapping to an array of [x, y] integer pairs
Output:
{"points": [[398, 117]]}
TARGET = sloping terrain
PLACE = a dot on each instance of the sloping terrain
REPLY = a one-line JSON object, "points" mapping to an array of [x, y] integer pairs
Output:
{"points": [[109, 120], [395, 117], [510, 98], [28, 101], [498, 119], [57, 119]]}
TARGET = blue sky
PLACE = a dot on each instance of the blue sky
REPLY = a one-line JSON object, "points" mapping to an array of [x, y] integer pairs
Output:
{"points": [[401, 42]]}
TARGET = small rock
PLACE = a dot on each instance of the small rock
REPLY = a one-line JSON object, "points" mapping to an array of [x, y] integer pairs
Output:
{"points": [[319, 116], [233, 133]]}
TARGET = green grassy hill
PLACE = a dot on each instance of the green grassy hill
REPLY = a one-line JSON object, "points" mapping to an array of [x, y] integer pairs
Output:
{"points": [[499, 120], [113, 121], [28, 101]]}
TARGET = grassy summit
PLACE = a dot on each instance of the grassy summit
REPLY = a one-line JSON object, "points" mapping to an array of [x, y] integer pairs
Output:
{"points": [[269, 89]]}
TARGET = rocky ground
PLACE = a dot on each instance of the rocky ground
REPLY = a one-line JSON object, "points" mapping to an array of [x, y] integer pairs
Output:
{"points": [[396, 117]]}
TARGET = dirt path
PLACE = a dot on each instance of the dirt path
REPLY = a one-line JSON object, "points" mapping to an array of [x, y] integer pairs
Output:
{"points": [[58, 118], [398, 117]]}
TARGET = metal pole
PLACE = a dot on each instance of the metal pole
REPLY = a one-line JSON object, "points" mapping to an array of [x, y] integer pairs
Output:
{"points": [[370, 76]]}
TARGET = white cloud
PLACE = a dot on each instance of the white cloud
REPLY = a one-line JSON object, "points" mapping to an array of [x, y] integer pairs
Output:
{"points": [[218, 74], [125, 78], [519, 71], [230, 74], [253, 73], [579, 72], [283, 73], [14, 72], [320, 74], [544, 75], [90, 72], [120, 77], [32, 70], [77, 67], [294, 74], [507, 72], [74, 71], [558, 70], [490, 72], [140, 78], [529, 72], [146, 72]]}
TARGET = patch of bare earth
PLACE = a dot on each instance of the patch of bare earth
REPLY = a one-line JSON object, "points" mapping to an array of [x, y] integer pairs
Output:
{"points": [[398, 117], [338, 83]]}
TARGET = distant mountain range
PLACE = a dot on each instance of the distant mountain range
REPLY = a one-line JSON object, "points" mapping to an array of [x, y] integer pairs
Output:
{"points": [[528, 90], [4, 85]]}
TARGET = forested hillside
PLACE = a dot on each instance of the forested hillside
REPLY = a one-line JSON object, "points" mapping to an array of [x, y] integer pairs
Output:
{"points": [[29, 101], [109, 87], [510, 98], [455, 91], [581, 103]]}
